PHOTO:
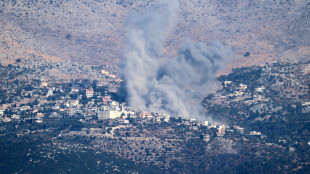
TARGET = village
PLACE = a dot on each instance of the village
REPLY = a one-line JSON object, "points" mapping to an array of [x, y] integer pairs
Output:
{"points": [[43, 96], [87, 113], [94, 100], [42, 101]]}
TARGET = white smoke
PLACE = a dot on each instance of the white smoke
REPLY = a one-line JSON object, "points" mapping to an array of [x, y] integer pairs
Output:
{"points": [[175, 86]]}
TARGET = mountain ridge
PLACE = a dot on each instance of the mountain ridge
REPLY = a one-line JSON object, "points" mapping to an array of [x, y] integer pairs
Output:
{"points": [[93, 32]]}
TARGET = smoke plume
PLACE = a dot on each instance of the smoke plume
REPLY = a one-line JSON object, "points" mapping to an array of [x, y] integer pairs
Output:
{"points": [[176, 85]]}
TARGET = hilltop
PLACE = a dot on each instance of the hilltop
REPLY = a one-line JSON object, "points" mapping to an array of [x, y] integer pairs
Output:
{"points": [[93, 32]]}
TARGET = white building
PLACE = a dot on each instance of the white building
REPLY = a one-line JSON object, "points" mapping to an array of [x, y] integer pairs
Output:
{"points": [[192, 119], [255, 133], [306, 103], [72, 103], [6, 119], [39, 115], [238, 93], [50, 91], [206, 137], [39, 120], [73, 90], [167, 118], [243, 87], [227, 82], [43, 84], [239, 129], [221, 131], [260, 89], [112, 114], [105, 72], [206, 123], [89, 93], [16, 117]]}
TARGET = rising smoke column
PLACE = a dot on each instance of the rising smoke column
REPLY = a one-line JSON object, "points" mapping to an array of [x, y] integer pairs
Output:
{"points": [[175, 86]]}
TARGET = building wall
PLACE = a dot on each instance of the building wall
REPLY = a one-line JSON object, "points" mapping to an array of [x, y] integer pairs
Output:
{"points": [[110, 114]]}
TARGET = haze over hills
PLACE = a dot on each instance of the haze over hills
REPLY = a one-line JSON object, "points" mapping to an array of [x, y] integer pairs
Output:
{"points": [[160, 107], [93, 31]]}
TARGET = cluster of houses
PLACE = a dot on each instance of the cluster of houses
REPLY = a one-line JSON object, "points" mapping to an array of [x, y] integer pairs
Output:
{"points": [[39, 106], [99, 106], [240, 93]]}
